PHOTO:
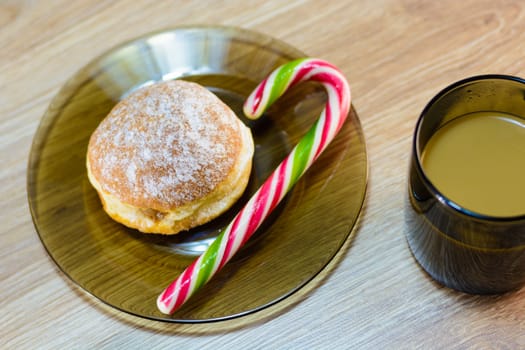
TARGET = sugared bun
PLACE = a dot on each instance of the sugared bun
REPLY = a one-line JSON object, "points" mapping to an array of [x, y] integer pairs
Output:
{"points": [[169, 157]]}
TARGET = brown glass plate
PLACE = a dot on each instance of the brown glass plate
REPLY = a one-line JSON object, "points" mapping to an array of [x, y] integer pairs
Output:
{"points": [[127, 269]]}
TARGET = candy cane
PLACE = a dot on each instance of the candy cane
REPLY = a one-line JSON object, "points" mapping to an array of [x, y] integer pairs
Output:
{"points": [[268, 196]]}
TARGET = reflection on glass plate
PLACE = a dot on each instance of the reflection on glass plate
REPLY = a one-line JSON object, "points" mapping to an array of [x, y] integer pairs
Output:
{"points": [[127, 269]]}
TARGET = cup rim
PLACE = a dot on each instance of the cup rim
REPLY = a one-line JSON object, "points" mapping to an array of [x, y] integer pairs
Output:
{"points": [[432, 188]]}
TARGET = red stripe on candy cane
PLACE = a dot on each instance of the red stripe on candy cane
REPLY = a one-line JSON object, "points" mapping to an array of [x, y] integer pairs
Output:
{"points": [[185, 286], [281, 181], [231, 238], [258, 213], [258, 95], [325, 131]]}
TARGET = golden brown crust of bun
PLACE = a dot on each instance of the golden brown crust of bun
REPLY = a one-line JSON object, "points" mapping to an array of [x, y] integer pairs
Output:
{"points": [[169, 157]]}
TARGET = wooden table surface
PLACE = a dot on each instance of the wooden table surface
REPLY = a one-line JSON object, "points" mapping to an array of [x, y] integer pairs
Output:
{"points": [[396, 54]]}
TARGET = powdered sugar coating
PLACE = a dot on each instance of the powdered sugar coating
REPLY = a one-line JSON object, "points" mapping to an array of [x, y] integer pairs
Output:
{"points": [[165, 145]]}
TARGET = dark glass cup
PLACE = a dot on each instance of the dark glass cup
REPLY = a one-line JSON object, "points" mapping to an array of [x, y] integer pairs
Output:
{"points": [[461, 249]]}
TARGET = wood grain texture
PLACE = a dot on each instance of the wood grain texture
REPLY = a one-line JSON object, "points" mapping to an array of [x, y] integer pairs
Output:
{"points": [[396, 54]]}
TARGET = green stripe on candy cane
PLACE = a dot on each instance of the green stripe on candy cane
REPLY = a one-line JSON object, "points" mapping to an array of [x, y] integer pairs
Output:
{"points": [[280, 181], [280, 80], [302, 155], [209, 258]]}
